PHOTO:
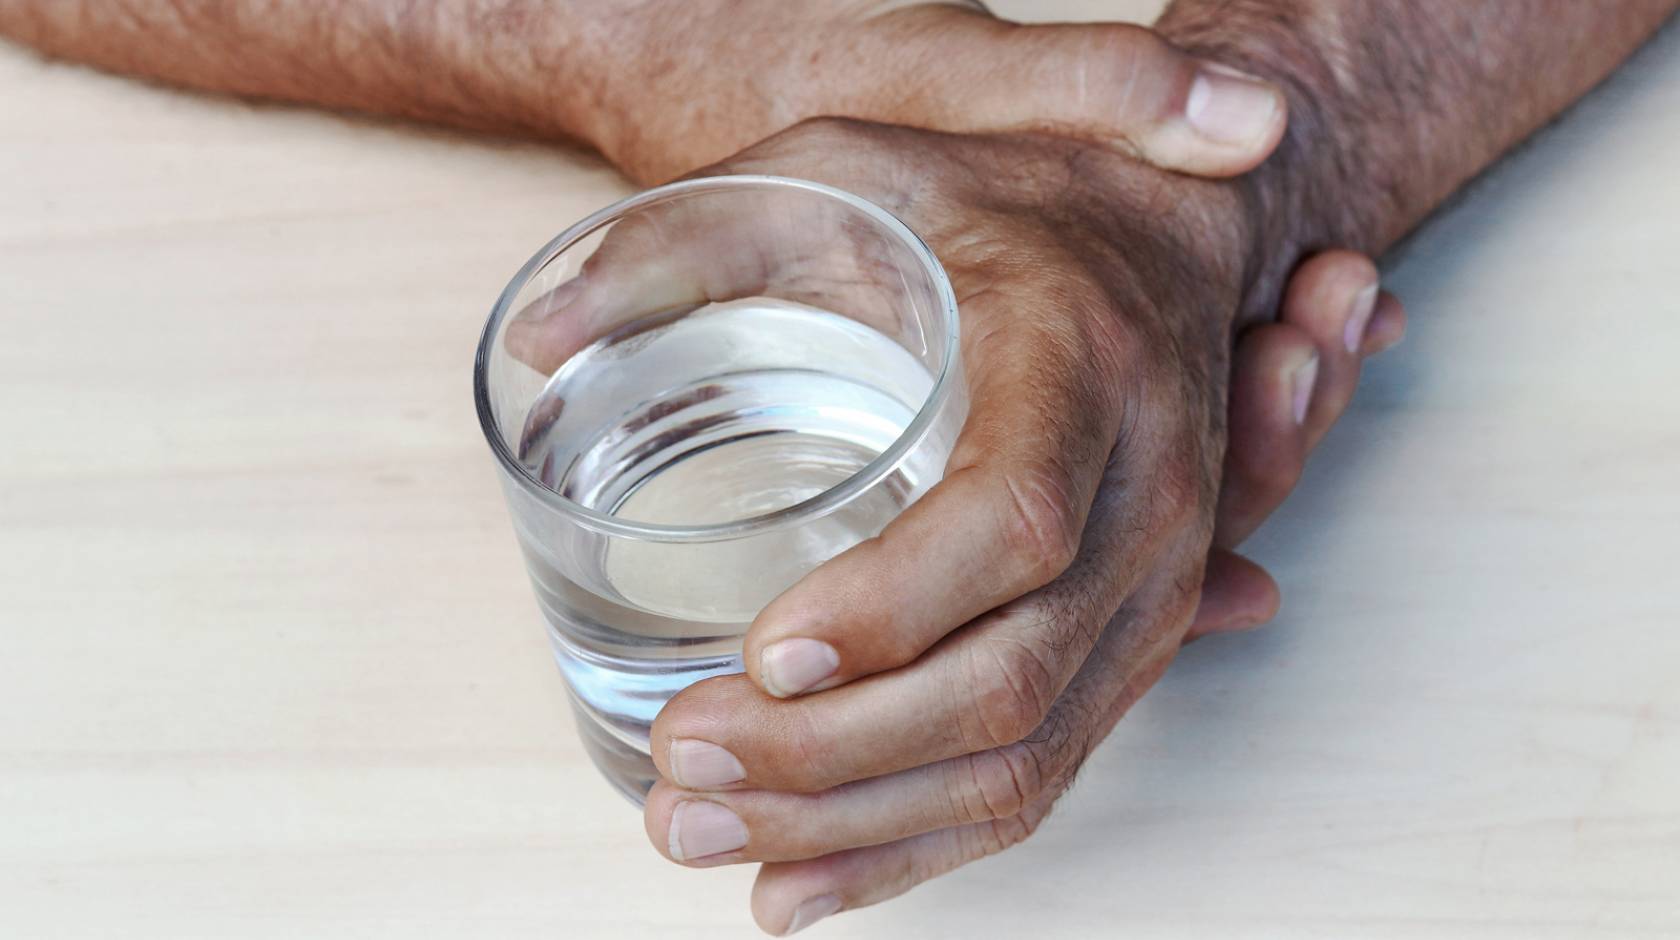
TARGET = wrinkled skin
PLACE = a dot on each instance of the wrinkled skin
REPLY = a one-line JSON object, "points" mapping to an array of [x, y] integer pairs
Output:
{"points": [[993, 634], [664, 88], [689, 98]]}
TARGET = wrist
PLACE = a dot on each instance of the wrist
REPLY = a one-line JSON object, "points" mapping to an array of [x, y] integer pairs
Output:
{"points": [[687, 86], [1212, 226], [1303, 198], [1299, 202]]}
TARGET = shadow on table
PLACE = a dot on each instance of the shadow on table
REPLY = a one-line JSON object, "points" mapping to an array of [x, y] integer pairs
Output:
{"points": [[1276, 718]]}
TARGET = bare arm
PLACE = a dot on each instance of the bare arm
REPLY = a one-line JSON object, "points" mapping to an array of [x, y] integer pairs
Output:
{"points": [[663, 87], [524, 67], [1395, 104]]}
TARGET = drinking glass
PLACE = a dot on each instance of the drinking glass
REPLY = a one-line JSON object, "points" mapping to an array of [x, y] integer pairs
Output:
{"points": [[694, 397]]}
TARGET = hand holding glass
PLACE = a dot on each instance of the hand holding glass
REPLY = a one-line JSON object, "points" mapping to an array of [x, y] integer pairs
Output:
{"points": [[694, 397]]}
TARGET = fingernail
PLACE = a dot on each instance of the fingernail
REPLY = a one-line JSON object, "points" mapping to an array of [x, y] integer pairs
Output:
{"points": [[812, 910], [700, 828], [1230, 106], [1353, 335], [696, 765], [1301, 387], [789, 667]]}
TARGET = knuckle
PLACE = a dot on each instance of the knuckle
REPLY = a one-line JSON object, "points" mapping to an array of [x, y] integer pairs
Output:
{"points": [[999, 834], [1032, 817], [807, 770], [811, 136], [1013, 687], [1183, 487], [1041, 522], [1001, 782], [1139, 68], [829, 130]]}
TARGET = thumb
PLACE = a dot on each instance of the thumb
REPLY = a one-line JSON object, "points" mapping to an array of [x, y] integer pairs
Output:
{"points": [[1113, 82]]}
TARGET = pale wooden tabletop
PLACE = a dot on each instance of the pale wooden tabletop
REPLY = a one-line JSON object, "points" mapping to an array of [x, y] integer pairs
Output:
{"points": [[272, 668]]}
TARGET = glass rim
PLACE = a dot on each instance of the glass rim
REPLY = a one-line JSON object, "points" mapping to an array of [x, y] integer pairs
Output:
{"points": [[816, 506]]}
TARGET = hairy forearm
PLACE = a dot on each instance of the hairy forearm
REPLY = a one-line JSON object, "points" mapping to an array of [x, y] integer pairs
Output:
{"points": [[658, 87], [1395, 104], [518, 66]]}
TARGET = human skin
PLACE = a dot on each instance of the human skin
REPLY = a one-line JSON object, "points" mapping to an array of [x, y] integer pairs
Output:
{"points": [[922, 699], [664, 88], [661, 88], [1099, 296], [997, 628], [969, 658]]}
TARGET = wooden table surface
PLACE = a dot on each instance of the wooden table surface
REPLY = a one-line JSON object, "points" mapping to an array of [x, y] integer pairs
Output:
{"points": [[272, 668]]}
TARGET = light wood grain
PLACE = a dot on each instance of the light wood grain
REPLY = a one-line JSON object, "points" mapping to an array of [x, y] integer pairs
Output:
{"points": [[272, 668]]}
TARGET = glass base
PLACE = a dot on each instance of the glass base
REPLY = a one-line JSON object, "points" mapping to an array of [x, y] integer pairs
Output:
{"points": [[628, 769]]}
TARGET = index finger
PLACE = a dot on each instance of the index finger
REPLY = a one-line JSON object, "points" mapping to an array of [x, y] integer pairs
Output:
{"points": [[1006, 519]]}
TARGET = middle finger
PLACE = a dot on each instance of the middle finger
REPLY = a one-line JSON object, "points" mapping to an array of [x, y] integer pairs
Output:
{"points": [[987, 685], [705, 829]]}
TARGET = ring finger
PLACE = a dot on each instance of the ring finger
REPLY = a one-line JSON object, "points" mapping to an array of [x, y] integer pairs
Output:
{"points": [[706, 829]]}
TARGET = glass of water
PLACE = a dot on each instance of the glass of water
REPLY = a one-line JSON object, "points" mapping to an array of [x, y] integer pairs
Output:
{"points": [[694, 397]]}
